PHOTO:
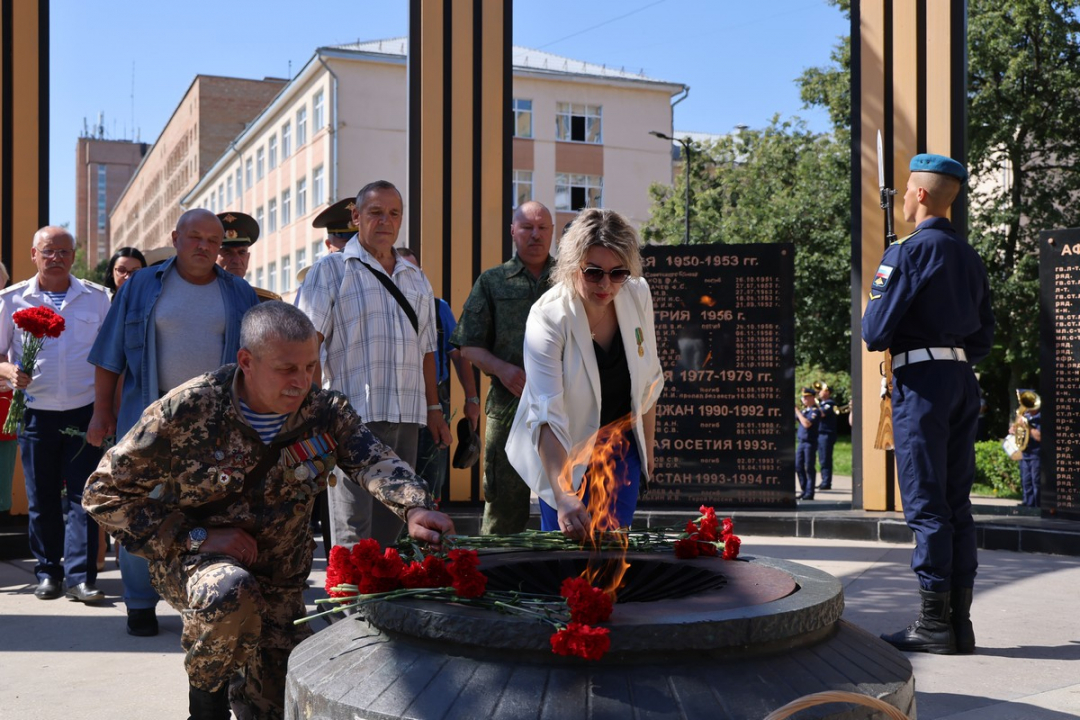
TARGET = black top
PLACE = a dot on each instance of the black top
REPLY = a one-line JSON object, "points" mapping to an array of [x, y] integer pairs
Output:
{"points": [[614, 381]]}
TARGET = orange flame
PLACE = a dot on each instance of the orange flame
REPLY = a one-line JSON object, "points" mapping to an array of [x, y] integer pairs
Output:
{"points": [[609, 449], [707, 301]]}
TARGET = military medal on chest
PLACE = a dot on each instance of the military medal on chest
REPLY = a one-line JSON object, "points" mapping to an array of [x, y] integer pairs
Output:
{"points": [[640, 337], [309, 458]]}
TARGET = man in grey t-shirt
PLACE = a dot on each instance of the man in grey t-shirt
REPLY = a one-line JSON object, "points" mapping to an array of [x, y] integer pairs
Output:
{"points": [[166, 326]]}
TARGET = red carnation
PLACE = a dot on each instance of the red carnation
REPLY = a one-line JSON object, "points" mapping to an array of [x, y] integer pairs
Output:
{"points": [[588, 605], [708, 548], [727, 528], [581, 641], [686, 549], [339, 571], [365, 554], [731, 547], [468, 582], [709, 525], [436, 571], [40, 322]]}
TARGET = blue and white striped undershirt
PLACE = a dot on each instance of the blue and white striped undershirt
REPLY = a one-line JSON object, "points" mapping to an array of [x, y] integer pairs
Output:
{"points": [[56, 297], [266, 424]]}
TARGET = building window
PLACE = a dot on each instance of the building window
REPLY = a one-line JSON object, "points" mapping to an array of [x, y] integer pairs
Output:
{"points": [[522, 118], [271, 277], [102, 186], [317, 111], [221, 196], [522, 187], [286, 209], [317, 197], [317, 251], [301, 126], [577, 192], [271, 215], [286, 140], [578, 123], [301, 197], [301, 259], [259, 218], [228, 191], [259, 278], [248, 181], [272, 145], [286, 274], [213, 206], [239, 186], [260, 164]]}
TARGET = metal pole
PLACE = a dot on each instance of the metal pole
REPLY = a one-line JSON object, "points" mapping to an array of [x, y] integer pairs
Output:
{"points": [[686, 161]]}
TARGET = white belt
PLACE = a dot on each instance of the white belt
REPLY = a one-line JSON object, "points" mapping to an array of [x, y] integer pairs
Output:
{"points": [[923, 354]]}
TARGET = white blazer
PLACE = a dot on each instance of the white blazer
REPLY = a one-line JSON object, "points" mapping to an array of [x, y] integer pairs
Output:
{"points": [[562, 380]]}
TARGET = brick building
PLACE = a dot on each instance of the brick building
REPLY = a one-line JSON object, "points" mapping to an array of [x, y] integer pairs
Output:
{"points": [[102, 170], [213, 111]]}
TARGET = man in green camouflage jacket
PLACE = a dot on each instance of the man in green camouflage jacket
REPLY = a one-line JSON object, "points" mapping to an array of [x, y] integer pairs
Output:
{"points": [[491, 335], [215, 486]]}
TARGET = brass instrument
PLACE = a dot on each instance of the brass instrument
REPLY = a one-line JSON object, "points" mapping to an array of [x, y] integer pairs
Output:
{"points": [[819, 386], [1029, 402]]}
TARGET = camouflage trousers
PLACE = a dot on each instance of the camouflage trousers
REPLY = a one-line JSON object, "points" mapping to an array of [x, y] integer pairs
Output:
{"points": [[506, 496], [238, 629]]}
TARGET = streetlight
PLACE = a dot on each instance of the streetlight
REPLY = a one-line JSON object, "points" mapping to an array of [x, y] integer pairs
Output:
{"points": [[685, 142]]}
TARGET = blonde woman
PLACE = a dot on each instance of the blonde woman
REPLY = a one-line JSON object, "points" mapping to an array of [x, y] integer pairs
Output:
{"points": [[592, 370]]}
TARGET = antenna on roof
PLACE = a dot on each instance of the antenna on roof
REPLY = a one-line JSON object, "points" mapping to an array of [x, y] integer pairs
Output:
{"points": [[290, 70]]}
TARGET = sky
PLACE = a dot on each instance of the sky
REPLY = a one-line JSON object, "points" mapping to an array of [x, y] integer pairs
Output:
{"points": [[133, 60]]}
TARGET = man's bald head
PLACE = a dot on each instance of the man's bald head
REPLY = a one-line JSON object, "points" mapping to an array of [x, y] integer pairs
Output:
{"points": [[531, 229], [197, 214], [55, 233]]}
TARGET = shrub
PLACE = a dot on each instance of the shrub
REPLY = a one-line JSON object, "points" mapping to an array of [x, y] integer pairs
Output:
{"points": [[994, 469]]}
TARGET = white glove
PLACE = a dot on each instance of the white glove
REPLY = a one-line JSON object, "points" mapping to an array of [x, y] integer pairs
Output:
{"points": [[884, 387]]}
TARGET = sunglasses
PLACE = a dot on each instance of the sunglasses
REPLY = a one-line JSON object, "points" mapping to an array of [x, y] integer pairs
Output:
{"points": [[595, 274]]}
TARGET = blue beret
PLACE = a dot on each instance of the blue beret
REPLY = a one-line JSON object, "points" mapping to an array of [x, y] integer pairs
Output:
{"points": [[926, 162]]}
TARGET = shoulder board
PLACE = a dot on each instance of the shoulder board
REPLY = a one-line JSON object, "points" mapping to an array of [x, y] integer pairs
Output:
{"points": [[92, 284], [14, 286], [265, 295], [908, 237]]}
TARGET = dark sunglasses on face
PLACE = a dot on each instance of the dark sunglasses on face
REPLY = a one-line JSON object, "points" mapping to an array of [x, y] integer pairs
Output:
{"points": [[595, 274]]}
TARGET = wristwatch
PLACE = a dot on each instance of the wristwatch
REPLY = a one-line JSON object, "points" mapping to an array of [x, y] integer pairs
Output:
{"points": [[475, 400], [196, 537]]}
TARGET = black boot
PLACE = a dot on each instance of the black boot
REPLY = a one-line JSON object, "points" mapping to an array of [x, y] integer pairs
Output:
{"points": [[205, 705], [961, 621], [932, 632]]}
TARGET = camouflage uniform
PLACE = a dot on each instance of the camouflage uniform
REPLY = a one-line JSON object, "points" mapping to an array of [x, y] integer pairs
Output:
{"points": [[182, 466], [494, 319]]}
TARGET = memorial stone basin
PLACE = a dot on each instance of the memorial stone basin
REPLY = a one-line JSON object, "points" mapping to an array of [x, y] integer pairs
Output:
{"points": [[702, 638]]}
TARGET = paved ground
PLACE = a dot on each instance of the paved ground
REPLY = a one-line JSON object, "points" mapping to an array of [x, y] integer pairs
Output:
{"points": [[61, 659]]}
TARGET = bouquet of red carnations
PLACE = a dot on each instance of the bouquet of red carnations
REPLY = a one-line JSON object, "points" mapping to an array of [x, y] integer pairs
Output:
{"points": [[37, 324]]}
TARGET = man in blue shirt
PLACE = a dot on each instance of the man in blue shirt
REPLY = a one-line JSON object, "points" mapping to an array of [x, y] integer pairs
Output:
{"points": [[166, 325], [929, 305], [809, 419]]}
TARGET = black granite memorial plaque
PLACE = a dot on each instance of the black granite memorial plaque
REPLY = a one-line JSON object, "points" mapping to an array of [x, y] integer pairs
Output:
{"points": [[1059, 370], [725, 426]]}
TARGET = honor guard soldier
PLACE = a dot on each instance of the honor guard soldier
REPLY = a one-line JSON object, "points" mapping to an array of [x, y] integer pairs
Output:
{"points": [[809, 419], [241, 232], [929, 305]]}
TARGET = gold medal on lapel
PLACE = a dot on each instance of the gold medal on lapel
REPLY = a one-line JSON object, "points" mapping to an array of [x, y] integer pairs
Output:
{"points": [[640, 341]]}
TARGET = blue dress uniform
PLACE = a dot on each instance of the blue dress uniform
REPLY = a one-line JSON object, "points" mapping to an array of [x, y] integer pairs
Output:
{"points": [[826, 441], [805, 450], [1030, 463], [930, 306]]}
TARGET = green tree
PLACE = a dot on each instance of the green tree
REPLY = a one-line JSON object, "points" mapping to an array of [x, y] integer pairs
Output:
{"points": [[1024, 127]]}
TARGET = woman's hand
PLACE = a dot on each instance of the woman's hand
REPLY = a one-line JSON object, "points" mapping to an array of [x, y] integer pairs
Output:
{"points": [[573, 517]]}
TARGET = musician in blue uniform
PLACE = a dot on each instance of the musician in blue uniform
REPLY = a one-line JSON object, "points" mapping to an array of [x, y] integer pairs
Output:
{"points": [[826, 435], [809, 419], [1030, 461], [929, 305]]}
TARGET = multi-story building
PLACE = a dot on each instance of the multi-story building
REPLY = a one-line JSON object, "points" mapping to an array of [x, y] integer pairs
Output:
{"points": [[214, 110], [103, 168], [581, 139]]}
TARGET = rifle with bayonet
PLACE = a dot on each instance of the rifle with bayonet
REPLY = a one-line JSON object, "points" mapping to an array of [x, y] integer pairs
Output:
{"points": [[884, 438]]}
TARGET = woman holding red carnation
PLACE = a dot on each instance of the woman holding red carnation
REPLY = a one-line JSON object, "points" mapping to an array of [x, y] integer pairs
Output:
{"points": [[593, 377]]}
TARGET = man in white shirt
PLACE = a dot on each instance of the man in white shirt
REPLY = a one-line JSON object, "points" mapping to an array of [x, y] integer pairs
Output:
{"points": [[380, 349], [60, 395]]}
